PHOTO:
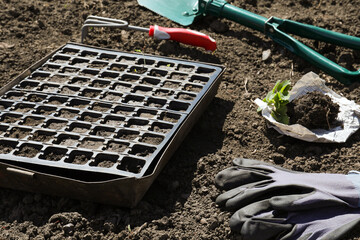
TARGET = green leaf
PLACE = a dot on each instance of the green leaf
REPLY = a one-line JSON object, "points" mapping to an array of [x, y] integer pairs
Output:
{"points": [[277, 99]]}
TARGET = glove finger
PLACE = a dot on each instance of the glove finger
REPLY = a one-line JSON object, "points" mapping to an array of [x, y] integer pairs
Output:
{"points": [[257, 221], [234, 177], [258, 193], [223, 198], [304, 201]]}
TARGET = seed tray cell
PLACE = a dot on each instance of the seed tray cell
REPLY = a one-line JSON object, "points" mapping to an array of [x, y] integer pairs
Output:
{"points": [[100, 111]]}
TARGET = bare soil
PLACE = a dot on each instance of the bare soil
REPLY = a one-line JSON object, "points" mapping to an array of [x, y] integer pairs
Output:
{"points": [[313, 110], [180, 204]]}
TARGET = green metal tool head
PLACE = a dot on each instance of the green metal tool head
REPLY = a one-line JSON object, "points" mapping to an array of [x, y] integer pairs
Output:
{"points": [[180, 11]]}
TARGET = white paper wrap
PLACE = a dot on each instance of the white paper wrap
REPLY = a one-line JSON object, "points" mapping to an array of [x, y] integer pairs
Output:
{"points": [[348, 115]]}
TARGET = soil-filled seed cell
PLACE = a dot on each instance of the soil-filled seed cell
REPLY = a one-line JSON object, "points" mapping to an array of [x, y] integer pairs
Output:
{"points": [[7, 146], [138, 70], [131, 165], [49, 88], [152, 139], [114, 121], [78, 62], [60, 59], [117, 147], [89, 73], [192, 88], [161, 127], [36, 98], [155, 102], [122, 87], [134, 100], [123, 110], [65, 113], [205, 71], [19, 133], [105, 160], [91, 143], [138, 124], [91, 93], [107, 57], [186, 97], [90, 117], [101, 107], [80, 129], [79, 103], [24, 108], [118, 67], [28, 150], [129, 78], [143, 90], [42, 136], [28, 85], [150, 81], [57, 101], [185, 68], [163, 93], [98, 65], [68, 141], [50, 68], [146, 113], [112, 96], [70, 70], [56, 124], [33, 121], [103, 132], [165, 65], [127, 60], [59, 79], [127, 134], [79, 157], [178, 106], [10, 118], [199, 79], [101, 84], [178, 76], [39, 76], [142, 151], [3, 129], [53, 154], [171, 84], [14, 95], [157, 73], [69, 90], [170, 117], [80, 81], [45, 110]]}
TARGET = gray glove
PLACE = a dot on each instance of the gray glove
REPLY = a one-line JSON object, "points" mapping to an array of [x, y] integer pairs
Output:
{"points": [[251, 181], [260, 221]]}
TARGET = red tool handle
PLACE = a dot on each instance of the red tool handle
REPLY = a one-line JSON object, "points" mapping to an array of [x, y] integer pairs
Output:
{"points": [[185, 36]]}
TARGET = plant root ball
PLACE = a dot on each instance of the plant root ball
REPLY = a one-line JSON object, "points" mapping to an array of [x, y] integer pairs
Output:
{"points": [[313, 110]]}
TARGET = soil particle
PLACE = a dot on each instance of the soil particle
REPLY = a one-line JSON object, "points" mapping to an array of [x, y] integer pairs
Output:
{"points": [[313, 110]]}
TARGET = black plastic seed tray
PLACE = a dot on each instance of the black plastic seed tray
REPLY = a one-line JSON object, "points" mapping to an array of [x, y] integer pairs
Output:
{"points": [[93, 114]]}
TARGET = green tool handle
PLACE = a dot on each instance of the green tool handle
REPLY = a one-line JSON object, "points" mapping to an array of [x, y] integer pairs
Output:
{"points": [[317, 33], [275, 28], [341, 74]]}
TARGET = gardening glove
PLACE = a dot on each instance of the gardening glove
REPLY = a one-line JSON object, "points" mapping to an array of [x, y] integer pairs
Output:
{"points": [[251, 181], [262, 221]]}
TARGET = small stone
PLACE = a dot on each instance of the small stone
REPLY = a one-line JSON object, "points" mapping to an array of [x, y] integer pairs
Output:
{"points": [[203, 221], [281, 149], [266, 54], [68, 229]]}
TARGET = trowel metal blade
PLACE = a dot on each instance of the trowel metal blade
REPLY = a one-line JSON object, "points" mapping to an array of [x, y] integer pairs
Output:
{"points": [[180, 11]]}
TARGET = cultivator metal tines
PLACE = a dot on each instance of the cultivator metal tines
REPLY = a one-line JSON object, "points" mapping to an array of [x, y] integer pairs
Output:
{"points": [[95, 110]]}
